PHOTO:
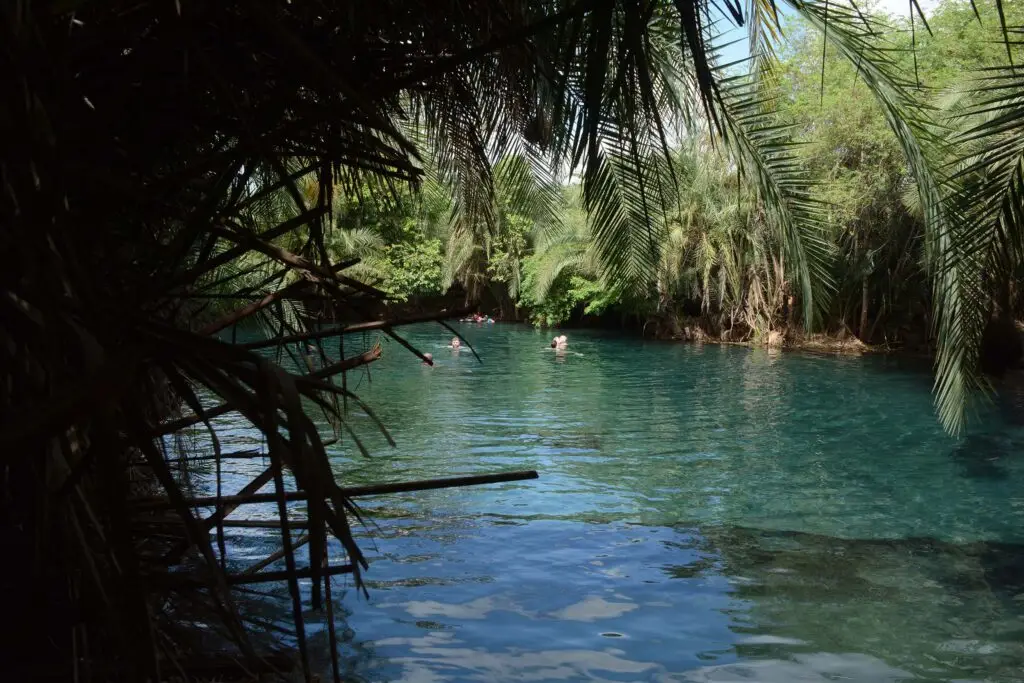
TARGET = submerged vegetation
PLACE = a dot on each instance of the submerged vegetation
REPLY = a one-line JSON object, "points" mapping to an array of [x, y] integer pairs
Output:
{"points": [[172, 169]]}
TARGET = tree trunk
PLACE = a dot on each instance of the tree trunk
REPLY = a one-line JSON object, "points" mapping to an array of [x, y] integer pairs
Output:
{"points": [[864, 311]]}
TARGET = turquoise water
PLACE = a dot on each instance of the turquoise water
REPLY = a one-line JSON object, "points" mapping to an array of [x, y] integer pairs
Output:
{"points": [[703, 514]]}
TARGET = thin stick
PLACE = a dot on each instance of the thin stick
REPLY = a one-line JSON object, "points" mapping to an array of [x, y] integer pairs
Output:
{"points": [[332, 634], [239, 523], [358, 327], [274, 557], [223, 510], [181, 580], [291, 291], [249, 309], [351, 492], [234, 455]]}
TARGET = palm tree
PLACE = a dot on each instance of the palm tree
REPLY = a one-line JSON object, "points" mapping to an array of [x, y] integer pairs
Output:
{"points": [[141, 139], [560, 252], [527, 203], [719, 249]]}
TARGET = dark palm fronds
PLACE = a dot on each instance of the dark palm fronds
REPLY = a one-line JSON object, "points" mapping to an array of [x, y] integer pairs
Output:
{"points": [[153, 153], [157, 153], [925, 142], [986, 243]]}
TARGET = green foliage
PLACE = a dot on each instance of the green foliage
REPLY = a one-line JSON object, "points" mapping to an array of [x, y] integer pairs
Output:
{"points": [[508, 249], [818, 190], [413, 268], [963, 40], [568, 294], [554, 306], [863, 178]]}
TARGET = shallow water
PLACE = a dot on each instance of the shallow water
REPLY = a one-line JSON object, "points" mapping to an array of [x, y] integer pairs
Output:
{"points": [[703, 514]]}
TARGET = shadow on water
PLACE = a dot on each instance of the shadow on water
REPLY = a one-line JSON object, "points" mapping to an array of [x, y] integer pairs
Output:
{"points": [[988, 451], [982, 456], [838, 565], [920, 604]]}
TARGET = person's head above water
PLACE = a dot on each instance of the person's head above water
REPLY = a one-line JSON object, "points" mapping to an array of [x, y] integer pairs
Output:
{"points": [[554, 343], [456, 343]]}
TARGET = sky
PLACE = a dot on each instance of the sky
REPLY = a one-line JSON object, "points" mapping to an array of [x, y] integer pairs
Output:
{"points": [[901, 7], [739, 49]]}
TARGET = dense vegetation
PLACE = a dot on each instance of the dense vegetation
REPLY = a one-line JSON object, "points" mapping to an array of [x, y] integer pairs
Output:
{"points": [[171, 169], [721, 270]]}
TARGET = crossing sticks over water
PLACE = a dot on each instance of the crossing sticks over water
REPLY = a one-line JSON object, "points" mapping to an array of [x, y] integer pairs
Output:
{"points": [[253, 574]]}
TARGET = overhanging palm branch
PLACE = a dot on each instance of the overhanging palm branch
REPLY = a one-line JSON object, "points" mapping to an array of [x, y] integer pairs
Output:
{"points": [[986, 206], [765, 153], [569, 249], [151, 153], [861, 40]]}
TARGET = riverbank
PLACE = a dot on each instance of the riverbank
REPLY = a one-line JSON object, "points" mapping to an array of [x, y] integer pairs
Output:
{"points": [[694, 330]]}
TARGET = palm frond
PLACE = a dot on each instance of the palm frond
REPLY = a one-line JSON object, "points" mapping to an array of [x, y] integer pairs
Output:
{"points": [[924, 145], [987, 242], [764, 151]]}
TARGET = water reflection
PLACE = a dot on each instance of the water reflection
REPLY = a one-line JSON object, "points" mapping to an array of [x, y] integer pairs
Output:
{"points": [[984, 456], [725, 604], [803, 668], [438, 656], [713, 514]]}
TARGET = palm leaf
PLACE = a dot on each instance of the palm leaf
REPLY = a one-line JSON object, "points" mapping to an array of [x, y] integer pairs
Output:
{"points": [[925, 149]]}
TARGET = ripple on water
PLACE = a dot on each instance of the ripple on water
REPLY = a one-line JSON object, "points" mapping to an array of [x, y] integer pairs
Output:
{"points": [[716, 514]]}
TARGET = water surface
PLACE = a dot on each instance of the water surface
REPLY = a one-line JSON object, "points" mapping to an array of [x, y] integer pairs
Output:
{"points": [[703, 514]]}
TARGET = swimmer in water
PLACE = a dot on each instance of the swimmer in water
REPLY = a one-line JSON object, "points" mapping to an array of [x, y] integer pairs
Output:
{"points": [[560, 342], [429, 362], [456, 344], [310, 357]]}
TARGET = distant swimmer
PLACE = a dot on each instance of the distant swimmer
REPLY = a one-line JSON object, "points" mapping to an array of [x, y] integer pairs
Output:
{"points": [[310, 357], [456, 344], [560, 342], [429, 359]]}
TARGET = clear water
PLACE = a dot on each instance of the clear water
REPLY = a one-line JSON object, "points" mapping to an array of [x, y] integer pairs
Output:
{"points": [[703, 514]]}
